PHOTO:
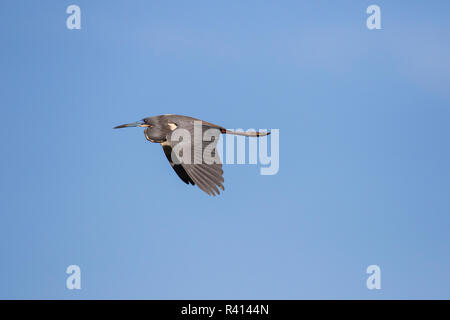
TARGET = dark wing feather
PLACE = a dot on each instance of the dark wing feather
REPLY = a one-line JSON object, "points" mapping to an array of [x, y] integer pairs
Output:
{"points": [[178, 168], [208, 177]]}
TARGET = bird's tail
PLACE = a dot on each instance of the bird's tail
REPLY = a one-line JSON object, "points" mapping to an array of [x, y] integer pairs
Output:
{"points": [[246, 134]]}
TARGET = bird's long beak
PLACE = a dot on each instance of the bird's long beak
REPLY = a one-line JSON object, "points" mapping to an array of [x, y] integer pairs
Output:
{"points": [[134, 124]]}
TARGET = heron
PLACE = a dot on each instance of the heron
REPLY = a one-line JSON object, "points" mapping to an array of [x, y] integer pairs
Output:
{"points": [[207, 175]]}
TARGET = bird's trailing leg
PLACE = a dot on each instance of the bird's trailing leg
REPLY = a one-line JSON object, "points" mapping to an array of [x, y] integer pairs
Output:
{"points": [[246, 134]]}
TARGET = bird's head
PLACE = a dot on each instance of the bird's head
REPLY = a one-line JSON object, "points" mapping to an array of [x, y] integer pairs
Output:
{"points": [[155, 131]]}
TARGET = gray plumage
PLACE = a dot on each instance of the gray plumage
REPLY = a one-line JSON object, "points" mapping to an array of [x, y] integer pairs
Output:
{"points": [[207, 174]]}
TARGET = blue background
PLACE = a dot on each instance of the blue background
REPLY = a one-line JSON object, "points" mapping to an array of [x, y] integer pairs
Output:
{"points": [[364, 149]]}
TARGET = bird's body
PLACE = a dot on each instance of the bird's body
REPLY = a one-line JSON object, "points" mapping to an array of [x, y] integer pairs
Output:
{"points": [[190, 147]]}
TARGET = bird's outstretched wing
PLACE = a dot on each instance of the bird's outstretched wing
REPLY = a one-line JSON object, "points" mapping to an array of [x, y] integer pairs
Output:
{"points": [[196, 169]]}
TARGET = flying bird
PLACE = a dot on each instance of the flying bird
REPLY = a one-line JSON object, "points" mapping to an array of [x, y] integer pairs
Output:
{"points": [[189, 160]]}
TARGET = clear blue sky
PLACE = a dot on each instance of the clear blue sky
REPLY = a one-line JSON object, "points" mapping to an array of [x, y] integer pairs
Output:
{"points": [[364, 149]]}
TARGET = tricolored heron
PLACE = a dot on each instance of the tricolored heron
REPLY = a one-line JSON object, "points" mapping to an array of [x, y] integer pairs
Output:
{"points": [[206, 175]]}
